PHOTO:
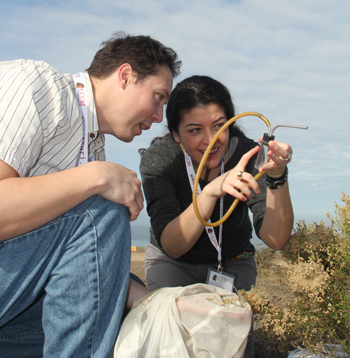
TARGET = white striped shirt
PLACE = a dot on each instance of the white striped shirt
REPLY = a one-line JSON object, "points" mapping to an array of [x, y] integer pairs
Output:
{"points": [[41, 129]]}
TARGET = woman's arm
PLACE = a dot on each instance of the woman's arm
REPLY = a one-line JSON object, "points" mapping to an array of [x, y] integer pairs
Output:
{"points": [[180, 235], [279, 218]]}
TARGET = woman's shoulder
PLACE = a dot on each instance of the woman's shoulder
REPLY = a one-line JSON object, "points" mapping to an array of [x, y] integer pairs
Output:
{"points": [[245, 142], [241, 145], [162, 146], [161, 152]]}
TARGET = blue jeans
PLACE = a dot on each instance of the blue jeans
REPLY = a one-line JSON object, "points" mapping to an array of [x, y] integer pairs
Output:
{"points": [[63, 286]]}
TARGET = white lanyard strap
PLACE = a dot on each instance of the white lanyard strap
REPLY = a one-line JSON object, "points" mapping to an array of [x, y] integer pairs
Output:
{"points": [[80, 92], [210, 231]]}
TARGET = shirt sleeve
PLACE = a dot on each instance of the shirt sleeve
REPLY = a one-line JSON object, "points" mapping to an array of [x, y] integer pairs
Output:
{"points": [[40, 124], [257, 204], [21, 133]]}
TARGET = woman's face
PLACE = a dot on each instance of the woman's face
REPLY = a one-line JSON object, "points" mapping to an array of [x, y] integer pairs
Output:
{"points": [[196, 130]]}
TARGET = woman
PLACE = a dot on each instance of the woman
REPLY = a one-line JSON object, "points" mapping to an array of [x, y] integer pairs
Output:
{"points": [[182, 251]]}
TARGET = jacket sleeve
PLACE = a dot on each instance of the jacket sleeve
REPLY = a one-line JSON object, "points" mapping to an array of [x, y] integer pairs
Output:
{"points": [[160, 174]]}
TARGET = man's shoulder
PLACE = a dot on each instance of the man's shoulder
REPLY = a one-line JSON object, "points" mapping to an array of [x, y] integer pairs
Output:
{"points": [[21, 70], [25, 65]]}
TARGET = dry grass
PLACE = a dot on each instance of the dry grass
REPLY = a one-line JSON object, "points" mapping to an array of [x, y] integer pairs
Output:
{"points": [[305, 303], [271, 291]]}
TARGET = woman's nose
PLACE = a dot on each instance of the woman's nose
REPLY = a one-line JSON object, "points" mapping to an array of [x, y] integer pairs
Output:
{"points": [[209, 135]]}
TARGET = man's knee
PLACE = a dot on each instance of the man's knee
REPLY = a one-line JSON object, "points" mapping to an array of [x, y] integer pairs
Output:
{"points": [[106, 208]]}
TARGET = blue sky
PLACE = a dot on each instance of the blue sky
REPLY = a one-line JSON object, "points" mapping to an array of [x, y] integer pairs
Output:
{"points": [[289, 60]]}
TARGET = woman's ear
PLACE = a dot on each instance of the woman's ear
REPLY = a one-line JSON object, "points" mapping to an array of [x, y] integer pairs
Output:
{"points": [[176, 137]]}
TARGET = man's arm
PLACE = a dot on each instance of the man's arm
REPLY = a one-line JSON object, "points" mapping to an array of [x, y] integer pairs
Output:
{"points": [[28, 203]]}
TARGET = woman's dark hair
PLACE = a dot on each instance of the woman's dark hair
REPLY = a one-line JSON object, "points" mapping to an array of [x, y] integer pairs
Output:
{"points": [[144, 54], [198, 91]]}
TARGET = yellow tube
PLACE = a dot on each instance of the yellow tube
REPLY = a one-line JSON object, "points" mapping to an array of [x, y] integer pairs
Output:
{"points": [[201, 165]]}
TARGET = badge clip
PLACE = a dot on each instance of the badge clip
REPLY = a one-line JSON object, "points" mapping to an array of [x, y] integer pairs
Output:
{"points": [[220, 267]]}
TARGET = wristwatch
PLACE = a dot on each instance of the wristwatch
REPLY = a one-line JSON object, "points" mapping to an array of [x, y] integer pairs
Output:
{"points": [[276, 183]]}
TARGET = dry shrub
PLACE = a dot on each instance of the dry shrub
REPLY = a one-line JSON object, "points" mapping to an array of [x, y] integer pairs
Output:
{"points": [[310, 242], [263, 258], [319, 277]]}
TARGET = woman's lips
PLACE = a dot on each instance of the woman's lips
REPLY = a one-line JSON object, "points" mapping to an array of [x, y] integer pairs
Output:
{"points": [[212, 152]]}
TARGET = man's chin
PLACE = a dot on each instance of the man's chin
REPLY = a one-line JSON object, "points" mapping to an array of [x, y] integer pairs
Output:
{"points": [[125, 139], [129, 138]]}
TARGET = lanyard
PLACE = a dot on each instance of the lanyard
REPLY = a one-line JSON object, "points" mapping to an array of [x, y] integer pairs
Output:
{"points": [[80, 92], [210, 231]]}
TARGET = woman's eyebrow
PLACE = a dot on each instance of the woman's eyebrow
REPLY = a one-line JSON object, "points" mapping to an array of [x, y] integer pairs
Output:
{"points": [[193, 125], [200, 124]]}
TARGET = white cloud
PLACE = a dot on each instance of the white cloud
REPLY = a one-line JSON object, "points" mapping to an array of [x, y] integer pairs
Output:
{"points": [[288, 60]]}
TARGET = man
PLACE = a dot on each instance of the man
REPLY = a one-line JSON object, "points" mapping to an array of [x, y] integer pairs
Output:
{"points": [[64, 211]]}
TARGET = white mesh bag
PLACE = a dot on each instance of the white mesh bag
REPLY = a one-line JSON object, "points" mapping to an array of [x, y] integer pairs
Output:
{"points": [[186, 322]]}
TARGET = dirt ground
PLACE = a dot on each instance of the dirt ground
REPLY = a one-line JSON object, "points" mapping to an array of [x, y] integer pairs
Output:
{"points": [[137, 259], [270, 279]]}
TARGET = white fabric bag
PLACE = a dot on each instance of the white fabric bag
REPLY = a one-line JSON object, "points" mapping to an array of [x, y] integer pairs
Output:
{"points": [[186, 322]]}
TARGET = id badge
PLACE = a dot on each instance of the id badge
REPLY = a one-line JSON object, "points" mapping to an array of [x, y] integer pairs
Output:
{"points": [[225, 280]]}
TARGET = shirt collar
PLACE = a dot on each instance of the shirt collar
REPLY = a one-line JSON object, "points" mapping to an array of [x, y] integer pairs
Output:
{"points": [[93, 126]]}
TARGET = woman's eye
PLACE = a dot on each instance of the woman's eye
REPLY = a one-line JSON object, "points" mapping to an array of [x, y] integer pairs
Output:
{"points": [[219, 125]]}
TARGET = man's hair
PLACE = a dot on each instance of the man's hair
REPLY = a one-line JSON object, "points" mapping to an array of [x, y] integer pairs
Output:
{"points": [[144, 54]]}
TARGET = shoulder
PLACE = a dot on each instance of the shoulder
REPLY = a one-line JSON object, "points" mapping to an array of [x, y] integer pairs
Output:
{"points": [[32, 76], [246, 143], [162, 147], [161, 153], [23, 67]]}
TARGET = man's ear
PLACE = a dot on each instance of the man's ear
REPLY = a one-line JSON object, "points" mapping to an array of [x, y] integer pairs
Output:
{"points": [[176, 137], [125, 75]]}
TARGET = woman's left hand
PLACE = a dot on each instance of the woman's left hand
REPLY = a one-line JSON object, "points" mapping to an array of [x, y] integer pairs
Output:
{"points": [[279, 155]]}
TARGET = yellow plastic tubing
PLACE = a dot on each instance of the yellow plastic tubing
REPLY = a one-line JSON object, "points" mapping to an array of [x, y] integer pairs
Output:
{"points": [[201, 164]]}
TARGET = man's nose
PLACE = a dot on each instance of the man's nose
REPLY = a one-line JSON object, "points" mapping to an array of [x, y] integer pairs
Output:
{"points": [[158, 116]]}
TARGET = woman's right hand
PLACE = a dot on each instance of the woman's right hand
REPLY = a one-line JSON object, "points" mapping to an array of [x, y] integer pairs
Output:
{"points": [[235, 183]]}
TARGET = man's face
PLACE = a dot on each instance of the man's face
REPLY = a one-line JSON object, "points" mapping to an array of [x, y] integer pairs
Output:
{"points": [[139, 105]]}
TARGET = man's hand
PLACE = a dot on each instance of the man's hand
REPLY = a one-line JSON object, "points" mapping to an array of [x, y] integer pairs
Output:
{"points": [[120, 185]]}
